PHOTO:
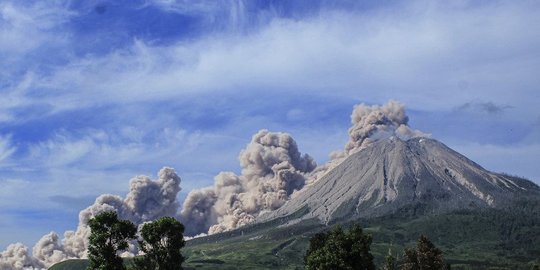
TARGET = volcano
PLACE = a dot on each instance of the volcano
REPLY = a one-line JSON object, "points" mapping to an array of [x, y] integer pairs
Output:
{"points": [[392, 174], [397, 189]]}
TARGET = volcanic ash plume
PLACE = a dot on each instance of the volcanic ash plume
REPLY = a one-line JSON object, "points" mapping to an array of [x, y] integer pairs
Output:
{"points": [[147, 200], [371, 124], [16, 257], [48, 250], [272, 169]]}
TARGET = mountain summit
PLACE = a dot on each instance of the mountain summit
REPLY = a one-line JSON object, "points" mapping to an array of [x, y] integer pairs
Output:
{"points": [[392, 173]]}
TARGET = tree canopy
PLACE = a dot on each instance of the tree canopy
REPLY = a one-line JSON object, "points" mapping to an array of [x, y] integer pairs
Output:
{"points": [[424, 257], [338, 249], [161, 241], [108, 236]]}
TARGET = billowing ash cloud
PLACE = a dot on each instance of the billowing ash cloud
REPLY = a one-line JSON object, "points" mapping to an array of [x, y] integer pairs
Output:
{"points": [[272, 170], [16, 257], [147, 200], [370, 124], [48, 250]]}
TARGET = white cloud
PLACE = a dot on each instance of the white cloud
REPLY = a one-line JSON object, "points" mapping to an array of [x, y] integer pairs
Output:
{"points": [[10, 187], [27, 32], [188, 7], [426, 55], [102, 150], [6, 148], [24, 27]]}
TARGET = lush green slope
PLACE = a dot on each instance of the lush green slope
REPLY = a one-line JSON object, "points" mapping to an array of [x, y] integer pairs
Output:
{"points": [[70, 264], [480, 239], [487, 239]]}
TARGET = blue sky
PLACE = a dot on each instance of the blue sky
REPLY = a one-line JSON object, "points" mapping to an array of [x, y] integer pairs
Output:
{"points": [[93, 93]]}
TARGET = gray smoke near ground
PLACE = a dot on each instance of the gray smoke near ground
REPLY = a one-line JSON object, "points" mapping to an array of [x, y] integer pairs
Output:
{"points": [[16, 257], [371, 124], [147, 200], [272, 170], [48, 250]]}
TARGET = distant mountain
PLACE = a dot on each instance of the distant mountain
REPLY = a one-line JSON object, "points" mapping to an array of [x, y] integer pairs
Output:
{"points": [[391, 174]]}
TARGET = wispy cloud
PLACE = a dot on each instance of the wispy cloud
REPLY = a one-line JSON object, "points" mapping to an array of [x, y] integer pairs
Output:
{"points": [[26, 27], [335, 50], [6, 148]]}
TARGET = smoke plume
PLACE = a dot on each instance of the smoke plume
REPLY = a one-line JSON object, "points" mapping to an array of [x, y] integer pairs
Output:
{"points": [[48, 250], [147, 200], [370, 124], [16, 257], [272, 170]]}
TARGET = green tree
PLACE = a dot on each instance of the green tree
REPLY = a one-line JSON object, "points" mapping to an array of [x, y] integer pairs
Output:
{"points": [[162, 241], [410, 260], [425, 257], [389, 262], [316, 242], [340, 250], [108, 236]]}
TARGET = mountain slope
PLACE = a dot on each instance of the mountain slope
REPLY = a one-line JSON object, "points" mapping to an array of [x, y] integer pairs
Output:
{"points": [[392, 173]]}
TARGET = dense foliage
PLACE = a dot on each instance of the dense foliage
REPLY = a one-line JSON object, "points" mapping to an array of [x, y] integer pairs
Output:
{"points": [[338, 249], [108, 236], [161, 242], [424, 257]]}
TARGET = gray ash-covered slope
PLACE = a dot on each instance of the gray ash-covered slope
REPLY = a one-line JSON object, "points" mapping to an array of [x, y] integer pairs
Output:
{"points": [[391, 174]]}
